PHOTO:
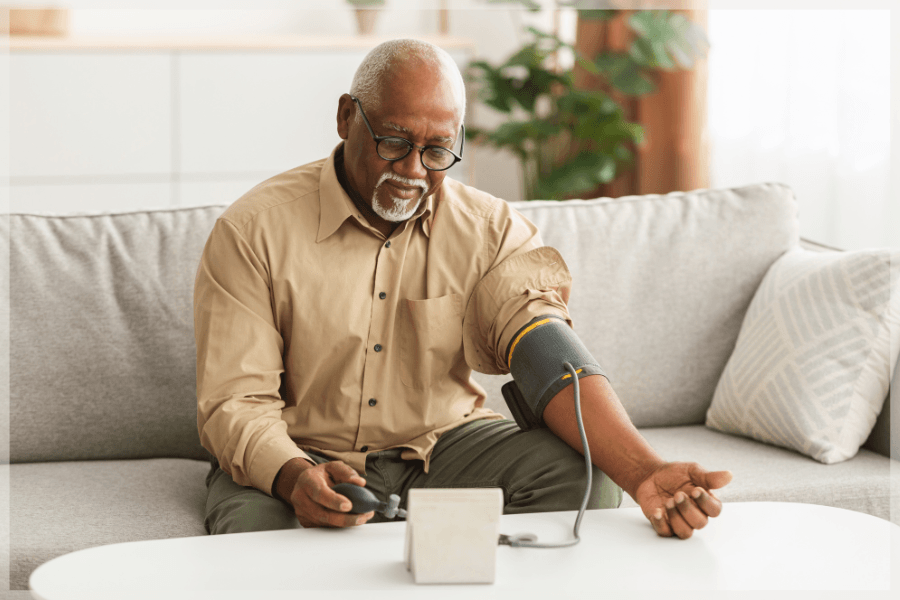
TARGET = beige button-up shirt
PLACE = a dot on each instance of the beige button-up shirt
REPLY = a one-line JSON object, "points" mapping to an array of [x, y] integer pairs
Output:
{"points": [[315, 332]]}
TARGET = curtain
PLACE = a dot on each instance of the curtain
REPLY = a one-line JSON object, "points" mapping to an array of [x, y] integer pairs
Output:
{"points": [[802, 97]]}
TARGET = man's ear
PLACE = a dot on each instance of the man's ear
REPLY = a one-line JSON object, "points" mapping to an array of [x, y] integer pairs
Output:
{"points": [[345, 114]]}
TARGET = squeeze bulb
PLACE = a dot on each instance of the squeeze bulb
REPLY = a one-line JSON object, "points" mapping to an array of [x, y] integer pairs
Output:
{"points": [[365, 501]]}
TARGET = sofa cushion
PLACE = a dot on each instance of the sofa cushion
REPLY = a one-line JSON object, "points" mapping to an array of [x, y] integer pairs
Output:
{"points": [[102, 358], [662, 282], [813, 358], [60, 507], [764, 473]]}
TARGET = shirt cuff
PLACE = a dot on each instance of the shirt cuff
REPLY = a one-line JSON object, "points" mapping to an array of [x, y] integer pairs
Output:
{"points": [[268, 460]]}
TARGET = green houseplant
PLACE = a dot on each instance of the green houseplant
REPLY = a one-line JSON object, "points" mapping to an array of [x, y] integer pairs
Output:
{"points": [[569, 140]]}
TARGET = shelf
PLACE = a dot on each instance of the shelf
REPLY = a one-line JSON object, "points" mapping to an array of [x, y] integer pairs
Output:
{"points": [[217, 43]]}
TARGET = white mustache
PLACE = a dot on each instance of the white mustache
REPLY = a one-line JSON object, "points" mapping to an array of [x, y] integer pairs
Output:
{"points": [[421, 183]]}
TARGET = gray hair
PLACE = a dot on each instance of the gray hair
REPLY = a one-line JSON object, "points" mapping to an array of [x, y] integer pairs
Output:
{"points": [[381, 60]]}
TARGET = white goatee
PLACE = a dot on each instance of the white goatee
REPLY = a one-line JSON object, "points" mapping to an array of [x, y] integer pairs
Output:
{"points": [[401, 208]]}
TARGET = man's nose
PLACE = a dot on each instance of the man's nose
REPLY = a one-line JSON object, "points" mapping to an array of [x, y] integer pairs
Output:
{"points": [[410, 166]]}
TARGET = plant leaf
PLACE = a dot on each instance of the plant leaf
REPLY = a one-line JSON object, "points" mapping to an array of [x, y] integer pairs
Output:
{"points": [[513, 133], [650, 53], [650, 24], [587, 65], [691, 37], [578, 176], [528, 56], [665, 39], [586, 102], [589, 9], [624, 74]]}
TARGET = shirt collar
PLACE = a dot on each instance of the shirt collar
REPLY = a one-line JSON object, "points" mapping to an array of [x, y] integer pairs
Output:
{"points": [[335, 206]]}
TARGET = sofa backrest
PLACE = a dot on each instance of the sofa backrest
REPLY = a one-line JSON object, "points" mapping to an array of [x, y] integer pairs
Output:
{"points": [[661, 284], [102, 358], [102, 354]]}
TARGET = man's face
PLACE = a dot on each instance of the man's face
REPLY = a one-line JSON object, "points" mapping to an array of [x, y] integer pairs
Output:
{"points": [[416, 104]]}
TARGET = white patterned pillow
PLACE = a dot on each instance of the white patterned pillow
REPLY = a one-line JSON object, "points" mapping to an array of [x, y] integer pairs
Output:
{"points": [[813, 360]]}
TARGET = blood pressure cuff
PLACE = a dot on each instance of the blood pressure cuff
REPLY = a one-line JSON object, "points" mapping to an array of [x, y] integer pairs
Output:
{"points": [[536, 356]]}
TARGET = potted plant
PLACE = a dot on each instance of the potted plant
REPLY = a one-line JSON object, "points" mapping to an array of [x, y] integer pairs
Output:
{"points": [[366, 14], [570, 140]]}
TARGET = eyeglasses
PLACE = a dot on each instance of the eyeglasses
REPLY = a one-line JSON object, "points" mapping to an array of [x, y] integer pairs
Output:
{"points": [[392, 148]]}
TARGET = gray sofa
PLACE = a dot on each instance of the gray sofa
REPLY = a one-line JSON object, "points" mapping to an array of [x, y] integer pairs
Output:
{"points": [[103, 446]]}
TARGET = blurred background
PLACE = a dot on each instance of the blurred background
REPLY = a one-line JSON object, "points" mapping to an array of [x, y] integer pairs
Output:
{"points": [[131, 105]]}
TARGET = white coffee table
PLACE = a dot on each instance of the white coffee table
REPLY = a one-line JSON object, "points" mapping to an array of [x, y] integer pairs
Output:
{"points": [[752, 546]]}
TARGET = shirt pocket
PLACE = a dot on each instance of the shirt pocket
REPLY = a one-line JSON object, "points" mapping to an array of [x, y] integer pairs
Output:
{"points": [[430, 334]]}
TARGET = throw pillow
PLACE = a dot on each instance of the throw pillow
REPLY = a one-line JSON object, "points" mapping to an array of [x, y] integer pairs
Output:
{"points": [[812, 363]]}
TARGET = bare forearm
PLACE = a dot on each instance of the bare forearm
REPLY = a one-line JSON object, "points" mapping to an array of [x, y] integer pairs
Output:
{"points": [[287, 477], [616, 447]]}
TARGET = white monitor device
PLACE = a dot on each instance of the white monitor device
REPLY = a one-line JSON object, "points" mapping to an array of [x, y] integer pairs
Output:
{"points": [[451, 534]]}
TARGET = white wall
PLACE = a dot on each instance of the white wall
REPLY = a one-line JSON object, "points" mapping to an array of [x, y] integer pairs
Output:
{"points": [[803, 97]]}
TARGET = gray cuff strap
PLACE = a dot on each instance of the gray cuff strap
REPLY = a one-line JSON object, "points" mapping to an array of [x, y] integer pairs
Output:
{"points": [[536, 358]]}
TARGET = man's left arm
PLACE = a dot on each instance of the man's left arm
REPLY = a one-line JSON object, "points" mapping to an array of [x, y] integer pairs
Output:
{"points": [[528, 282], [674, 496]]}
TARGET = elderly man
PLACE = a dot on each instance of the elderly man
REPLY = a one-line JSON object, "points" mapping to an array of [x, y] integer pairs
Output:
{"points": [[341, 307]]}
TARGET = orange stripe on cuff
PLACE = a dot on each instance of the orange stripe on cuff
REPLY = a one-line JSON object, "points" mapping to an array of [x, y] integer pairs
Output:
{"points": [[520, 336], [567, 375]]}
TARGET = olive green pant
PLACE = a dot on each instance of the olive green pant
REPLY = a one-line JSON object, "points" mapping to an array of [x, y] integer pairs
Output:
{"points": [[536, 470]]}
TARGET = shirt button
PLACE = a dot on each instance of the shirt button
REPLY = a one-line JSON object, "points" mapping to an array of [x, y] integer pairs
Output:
{"points": [[372, 401], [377, 347], [387, 245], [382, 295], [364, 449]]}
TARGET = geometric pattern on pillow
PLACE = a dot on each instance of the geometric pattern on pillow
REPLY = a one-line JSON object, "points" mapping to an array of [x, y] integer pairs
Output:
{"points": [[814, 358]]}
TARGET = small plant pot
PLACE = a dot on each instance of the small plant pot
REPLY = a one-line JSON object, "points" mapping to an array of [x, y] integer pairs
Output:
{"points": [[365, 20]]}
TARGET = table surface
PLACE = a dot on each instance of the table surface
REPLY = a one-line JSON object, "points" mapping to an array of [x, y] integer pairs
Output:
{"points": [[751, 546]]}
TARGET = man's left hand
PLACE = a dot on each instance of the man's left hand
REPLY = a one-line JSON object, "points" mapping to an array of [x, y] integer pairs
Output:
{"points": [[677, 498]]}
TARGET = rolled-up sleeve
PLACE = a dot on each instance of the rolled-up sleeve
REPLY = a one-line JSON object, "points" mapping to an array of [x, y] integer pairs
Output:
{"points": [[526, 280], [239, 362]]}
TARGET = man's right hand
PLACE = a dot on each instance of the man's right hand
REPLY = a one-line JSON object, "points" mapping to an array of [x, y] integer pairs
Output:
{"points": [[307, 488]]}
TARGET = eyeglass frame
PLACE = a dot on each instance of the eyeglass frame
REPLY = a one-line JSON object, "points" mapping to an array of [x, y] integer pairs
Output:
{"points": [[409, 144]]}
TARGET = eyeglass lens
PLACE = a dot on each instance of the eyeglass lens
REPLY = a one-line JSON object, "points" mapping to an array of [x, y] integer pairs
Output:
{"points": [[433, 157]]}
